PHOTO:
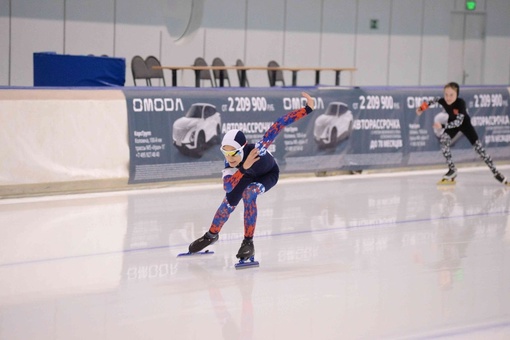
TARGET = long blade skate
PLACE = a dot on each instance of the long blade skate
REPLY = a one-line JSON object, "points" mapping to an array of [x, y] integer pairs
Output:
{"points": [[196, 247], [446, 181], [205, 252], [500, 178], [448, 178], [247, 263]]}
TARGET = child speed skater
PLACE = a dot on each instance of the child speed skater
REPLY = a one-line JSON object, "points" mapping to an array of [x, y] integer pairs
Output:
{"points": [[458, 121], [250, 170]]}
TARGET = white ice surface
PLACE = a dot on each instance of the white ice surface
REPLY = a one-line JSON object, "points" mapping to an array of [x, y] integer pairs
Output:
{"points": [[387, 256]]}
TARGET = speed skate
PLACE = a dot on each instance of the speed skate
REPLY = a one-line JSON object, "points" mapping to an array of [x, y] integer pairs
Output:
{"points": [[246, 255], [247, 263], [242, 264], [205, 252], [446, 181], [448, 178]]}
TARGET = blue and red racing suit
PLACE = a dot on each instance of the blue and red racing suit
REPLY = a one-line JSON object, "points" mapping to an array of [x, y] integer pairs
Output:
{"points": [[259, 178]]}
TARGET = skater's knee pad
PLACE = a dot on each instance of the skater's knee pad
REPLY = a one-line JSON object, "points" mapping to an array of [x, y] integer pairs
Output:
{"points": [[252, 191]]}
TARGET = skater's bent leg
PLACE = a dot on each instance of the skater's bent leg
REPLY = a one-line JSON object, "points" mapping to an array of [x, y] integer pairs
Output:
{"points": [[250, 208], [445, 141], [221, 216], [485, 157], [211, 236]]}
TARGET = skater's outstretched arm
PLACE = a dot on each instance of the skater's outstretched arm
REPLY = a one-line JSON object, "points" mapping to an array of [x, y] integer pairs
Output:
{"points": [[284, 121], [425, 105]]}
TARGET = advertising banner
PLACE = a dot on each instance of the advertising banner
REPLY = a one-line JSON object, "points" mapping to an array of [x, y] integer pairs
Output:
{"points": [[174, 134], [490, 116]]}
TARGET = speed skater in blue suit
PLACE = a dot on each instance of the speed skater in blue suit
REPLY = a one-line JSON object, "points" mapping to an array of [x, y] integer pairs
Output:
{"points": [[250, 170]]}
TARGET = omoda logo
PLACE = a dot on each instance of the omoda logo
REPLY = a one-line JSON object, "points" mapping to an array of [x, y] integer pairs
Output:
{"points": [[157, 104]]}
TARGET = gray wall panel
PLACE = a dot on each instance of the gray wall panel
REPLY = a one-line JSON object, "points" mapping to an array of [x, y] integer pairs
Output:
{"points": [[265, 37], [338, 38], [497, 45], [409, 47], [372, 45], [405, 31], [28, 35], [91, 20], [4, 42]]}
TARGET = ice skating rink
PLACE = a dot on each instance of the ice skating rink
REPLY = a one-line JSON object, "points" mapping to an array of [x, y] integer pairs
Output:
{"points": [[381, 256]]}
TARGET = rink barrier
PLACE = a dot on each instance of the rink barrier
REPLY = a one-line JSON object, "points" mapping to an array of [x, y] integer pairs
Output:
{"points": [[88, 139]]}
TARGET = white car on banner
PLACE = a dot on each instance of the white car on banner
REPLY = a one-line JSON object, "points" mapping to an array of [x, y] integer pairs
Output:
{"points": [[334, 125], [197, 130]]}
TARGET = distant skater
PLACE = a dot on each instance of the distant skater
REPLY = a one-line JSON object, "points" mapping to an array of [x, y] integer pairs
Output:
{"points": [[458, 121], [250, 170]]}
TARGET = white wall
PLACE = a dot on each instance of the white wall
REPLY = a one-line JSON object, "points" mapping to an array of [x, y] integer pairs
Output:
{"points": [[51, 136], [410, 46]]}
